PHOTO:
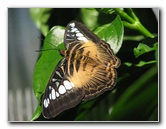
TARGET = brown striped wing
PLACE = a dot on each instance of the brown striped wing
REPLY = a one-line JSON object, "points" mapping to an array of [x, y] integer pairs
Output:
{"points": [[92, 68], [92, 63]]}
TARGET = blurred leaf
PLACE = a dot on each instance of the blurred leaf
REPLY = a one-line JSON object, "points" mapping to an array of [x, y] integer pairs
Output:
{"points": [[133, 38], [128, 64], [48, 60], [40, 17], [143, 48], [96, 109], [112, 33], [156, 55], [139, 100], [87, 14], [140, 64], [106, 10], [154, 115]]}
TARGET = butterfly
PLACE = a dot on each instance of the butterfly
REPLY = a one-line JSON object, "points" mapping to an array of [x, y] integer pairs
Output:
{"points": [[86, 71]]}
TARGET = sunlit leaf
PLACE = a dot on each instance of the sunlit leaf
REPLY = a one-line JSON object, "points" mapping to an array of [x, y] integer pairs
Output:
{"points": [[112, 33]]}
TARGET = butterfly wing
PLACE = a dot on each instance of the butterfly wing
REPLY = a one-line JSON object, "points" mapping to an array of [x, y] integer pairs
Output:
{"points": [[60, 93], [77, 32], [93, 60], [103, 76]]}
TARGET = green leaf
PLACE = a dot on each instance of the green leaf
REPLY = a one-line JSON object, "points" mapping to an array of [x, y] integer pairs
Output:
{"points": [[106, 10], [36, 113], [112, 33], [139, 100], [128, 64], [40, 17], [48, 60], [143, 48], [87, 14], [142, 63]]}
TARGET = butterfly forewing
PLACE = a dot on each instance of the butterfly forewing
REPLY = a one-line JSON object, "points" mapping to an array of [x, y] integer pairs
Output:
{"points": [[86, 71], [77, 32]]}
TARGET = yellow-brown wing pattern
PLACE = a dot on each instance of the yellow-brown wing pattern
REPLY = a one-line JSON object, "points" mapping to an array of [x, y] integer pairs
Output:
{"points": [[93, 68], [85, 72]]}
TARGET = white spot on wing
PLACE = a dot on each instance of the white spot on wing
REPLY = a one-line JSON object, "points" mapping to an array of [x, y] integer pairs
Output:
{"points": [[79, 35], [68, 35], [58, 74], [46, 102], [53, 79], [67, 85], [57, 94], [53, 94], [73, 29], [61, 89], [82, 38], [72, 24], [50, 96], [57, 84]]}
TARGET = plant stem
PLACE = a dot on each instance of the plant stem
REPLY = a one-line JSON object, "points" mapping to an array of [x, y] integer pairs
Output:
{"points": [[133, 22]]}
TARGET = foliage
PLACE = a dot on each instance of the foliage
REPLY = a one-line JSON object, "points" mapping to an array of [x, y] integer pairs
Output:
{"points": [[135, 97]]}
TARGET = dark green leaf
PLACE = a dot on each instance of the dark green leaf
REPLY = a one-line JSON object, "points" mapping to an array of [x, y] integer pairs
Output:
{"points": [[112, 33], [139, 100], [156, 54]]}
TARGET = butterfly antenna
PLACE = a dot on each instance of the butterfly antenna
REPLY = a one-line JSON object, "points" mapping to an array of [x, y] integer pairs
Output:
{"points": [[47, 49], [40, 38]]}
